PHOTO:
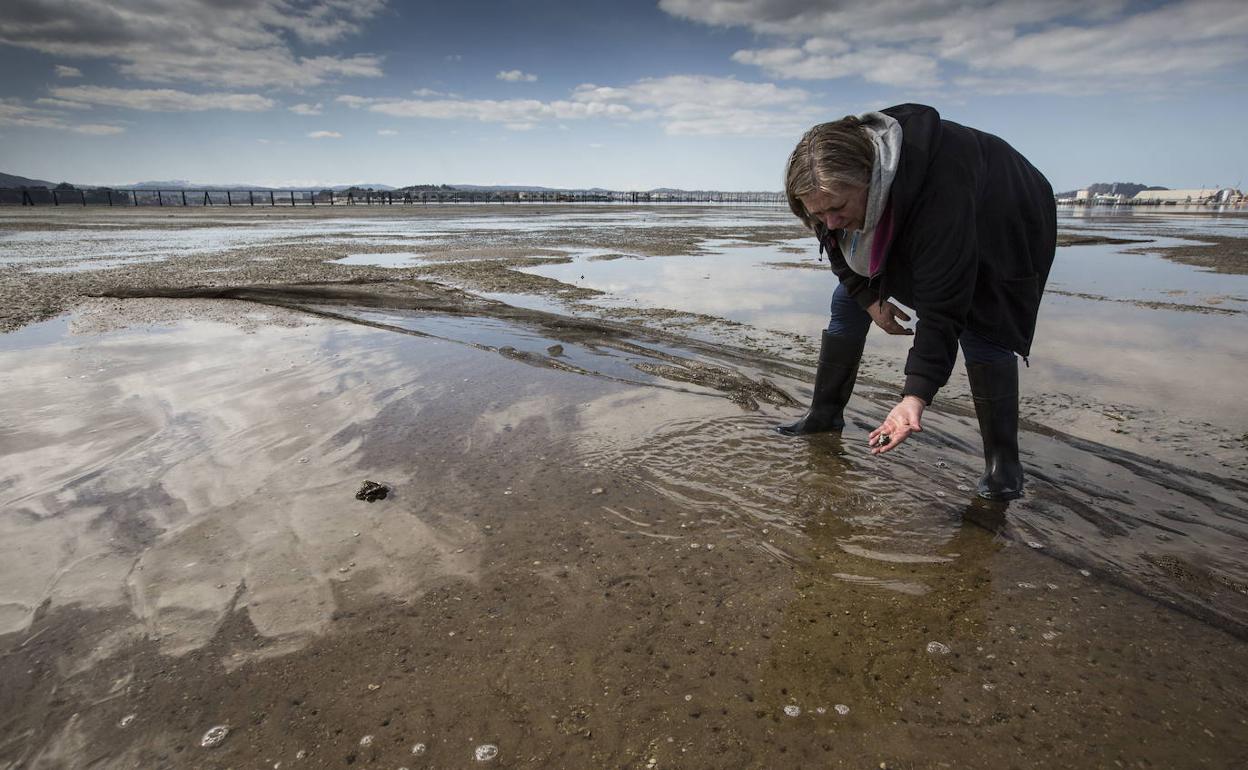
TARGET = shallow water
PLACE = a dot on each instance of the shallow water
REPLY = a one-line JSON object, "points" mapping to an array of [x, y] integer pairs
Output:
{"points": [[1144, 356], [151, 236]]}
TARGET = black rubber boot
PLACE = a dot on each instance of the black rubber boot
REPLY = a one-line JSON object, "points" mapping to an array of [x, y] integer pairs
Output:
{"points": [[995, 390], [834, 382]]}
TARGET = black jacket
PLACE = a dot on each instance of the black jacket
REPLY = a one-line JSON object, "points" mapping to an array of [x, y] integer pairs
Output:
{"points": [[974, 233]]}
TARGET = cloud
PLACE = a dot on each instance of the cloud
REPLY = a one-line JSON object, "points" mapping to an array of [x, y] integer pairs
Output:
{"points": [[875, 65], [237, 44], [990, 46], [324, 135], [387, 132], [14, 113], [702, 105], [65, 71], [683, 104], [162, 99], [61, 104], [307, 109], [516, 76], [513, 111]]}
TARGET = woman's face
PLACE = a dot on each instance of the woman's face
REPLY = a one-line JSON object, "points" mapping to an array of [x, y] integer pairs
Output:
{"points": [[845, 208]]}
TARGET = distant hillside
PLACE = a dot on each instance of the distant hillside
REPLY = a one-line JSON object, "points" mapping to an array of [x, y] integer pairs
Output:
{"points": [[1121, 188], [12, 180]]}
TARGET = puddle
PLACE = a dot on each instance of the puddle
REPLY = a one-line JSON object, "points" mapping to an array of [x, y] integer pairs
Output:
{"points": [[98, 264], [395, 260]]}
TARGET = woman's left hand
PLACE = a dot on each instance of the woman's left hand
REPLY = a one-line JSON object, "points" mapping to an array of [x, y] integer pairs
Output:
{"points": [[900, 423]]}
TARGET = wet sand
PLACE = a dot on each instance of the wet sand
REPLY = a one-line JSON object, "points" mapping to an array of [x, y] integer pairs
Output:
{"points": [[596, 552]]}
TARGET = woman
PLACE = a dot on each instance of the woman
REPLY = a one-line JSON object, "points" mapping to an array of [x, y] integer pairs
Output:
{"points": [[950, 221]]}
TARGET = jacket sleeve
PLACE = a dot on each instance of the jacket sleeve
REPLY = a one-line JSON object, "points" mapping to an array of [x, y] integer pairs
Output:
{"points": [[945, 269], [858, 287]]}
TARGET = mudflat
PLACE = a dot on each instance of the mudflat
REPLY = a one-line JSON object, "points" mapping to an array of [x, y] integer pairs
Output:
{"points": [[595, 551]]}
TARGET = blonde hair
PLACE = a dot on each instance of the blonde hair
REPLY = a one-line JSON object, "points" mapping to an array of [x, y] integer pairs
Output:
{"points": [[829, 156]]}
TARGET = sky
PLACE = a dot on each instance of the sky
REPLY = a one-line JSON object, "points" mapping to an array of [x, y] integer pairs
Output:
{"points": [[621, 94]]}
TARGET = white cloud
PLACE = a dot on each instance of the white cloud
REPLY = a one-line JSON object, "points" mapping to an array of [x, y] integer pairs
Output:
{"points": [[162, 99], [514, 111], [516, 76], [704, 105], [14, 113], [236, 44], [354, 102], [65, 71], [683, 104], [307, 109], [875, 65], [97, 129], [387, 132], [324, 135], [993, 46], [61, 104], [426, 92], [453, 57]]}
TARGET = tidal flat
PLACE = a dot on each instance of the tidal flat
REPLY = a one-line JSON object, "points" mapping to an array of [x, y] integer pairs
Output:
{"points": [[595, 551]]}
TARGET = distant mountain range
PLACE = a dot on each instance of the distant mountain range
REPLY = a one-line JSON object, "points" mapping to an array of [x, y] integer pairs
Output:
{"points": [[1128, 189], [13, 180]]}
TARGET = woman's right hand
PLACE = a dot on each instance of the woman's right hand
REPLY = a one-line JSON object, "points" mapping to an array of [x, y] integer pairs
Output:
{"points": [[885, 315]]}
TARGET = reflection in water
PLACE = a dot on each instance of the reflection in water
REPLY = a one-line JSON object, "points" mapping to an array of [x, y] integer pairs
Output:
{"points": [[191, 471]]}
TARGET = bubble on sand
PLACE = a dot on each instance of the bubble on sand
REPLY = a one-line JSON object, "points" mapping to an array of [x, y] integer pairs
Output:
{"points": [[989, 687], [821, 710], [1034, 544], [485, 752], [841, 709], [126, 720], [1026, 585], [1049, 635], [419, 749], [301, 753], [793, 711], [214, 737], [367, 740], [938, 648], [1085, 573]]}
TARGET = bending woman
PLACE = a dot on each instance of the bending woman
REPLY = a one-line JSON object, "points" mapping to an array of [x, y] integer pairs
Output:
{"points": [[950, 221]]}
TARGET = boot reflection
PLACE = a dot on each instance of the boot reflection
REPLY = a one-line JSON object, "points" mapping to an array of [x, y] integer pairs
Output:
{"points": [[986, 514]]}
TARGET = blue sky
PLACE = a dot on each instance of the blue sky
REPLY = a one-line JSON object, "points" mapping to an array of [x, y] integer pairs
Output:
{"points": [[625, 95]]}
